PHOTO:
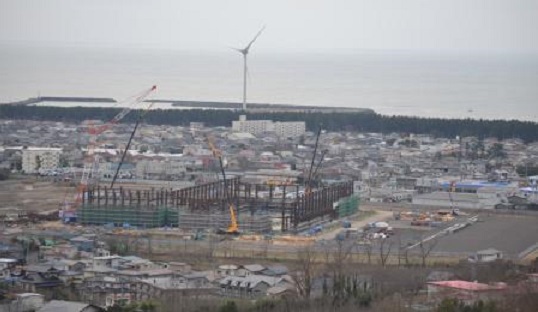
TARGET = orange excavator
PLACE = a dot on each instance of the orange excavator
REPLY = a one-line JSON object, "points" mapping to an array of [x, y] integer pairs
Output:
{"points": [[233, 228]]}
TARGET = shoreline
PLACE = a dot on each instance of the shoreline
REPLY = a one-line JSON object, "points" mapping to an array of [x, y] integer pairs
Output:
{"points": [[259, 108], [234, 106]]}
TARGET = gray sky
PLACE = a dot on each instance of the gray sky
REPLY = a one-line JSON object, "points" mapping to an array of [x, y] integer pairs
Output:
{"points": [[292, 25]]}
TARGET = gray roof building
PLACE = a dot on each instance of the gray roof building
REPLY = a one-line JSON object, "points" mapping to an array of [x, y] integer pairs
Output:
{"points": [[69, 306]]}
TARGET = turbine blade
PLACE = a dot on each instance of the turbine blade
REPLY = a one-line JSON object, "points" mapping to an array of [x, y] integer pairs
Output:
{"points": [[237, 49], [254, 39]]}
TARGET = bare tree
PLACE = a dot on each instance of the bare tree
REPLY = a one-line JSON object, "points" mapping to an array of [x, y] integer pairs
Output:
{"points": [[368, 249], [403, 253], [341, 254], [342, 281], [426, 247], [305, 273], [385, 247]]}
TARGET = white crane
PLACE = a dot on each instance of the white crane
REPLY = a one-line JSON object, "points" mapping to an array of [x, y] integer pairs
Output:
{"points": [[91, 161], [244, 51]]}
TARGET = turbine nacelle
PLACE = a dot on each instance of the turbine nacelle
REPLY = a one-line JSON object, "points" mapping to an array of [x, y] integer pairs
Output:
{"points": [[245, 50], [242, 51]]}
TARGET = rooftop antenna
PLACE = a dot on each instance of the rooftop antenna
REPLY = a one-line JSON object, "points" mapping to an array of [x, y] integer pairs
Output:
{"points": [[244, 51]]}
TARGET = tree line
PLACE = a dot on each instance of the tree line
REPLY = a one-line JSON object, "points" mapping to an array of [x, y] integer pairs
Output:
{"points": [[350, 121]]}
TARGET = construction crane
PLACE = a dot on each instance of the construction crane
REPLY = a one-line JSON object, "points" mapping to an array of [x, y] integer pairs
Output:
{"points": [[315, 174], [138, 121], [91, 161], [308, 185], [233, 228]]}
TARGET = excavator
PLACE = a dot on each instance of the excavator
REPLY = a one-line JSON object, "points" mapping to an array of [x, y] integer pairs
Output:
{"points": [[233, 228]]}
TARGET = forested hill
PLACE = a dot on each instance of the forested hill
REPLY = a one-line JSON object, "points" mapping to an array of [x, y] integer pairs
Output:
{"points": [[366, 122]]}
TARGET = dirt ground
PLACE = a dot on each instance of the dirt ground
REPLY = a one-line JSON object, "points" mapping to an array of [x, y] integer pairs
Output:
{"points": [[379, 215], [32, 194]]}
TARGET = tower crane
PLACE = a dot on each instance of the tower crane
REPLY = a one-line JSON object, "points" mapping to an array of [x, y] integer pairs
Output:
{"points": [[91, 161], [233, 228]]}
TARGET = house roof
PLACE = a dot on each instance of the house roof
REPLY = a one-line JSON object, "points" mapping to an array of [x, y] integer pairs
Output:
{"points": [[279, 290], [101, 270], [107, 258], [136, 260], [228, 267], [42, 268], [250, 281], [465, 285], [194, 275], [65, 306], [254, 267], [488, 251], [275, 270], [155, 272], [81, 239], [26, 295]]}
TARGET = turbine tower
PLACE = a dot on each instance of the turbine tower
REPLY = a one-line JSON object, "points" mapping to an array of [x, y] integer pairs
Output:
{"points": [[244, 51]]}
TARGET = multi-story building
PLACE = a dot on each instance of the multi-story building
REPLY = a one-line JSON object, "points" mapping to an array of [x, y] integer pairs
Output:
{"points": [[38, 159], [252, 126], [290, 129], [283, 129]]}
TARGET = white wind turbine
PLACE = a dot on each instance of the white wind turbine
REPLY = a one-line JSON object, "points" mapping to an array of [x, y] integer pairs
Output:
{"points": [[244, 51]]}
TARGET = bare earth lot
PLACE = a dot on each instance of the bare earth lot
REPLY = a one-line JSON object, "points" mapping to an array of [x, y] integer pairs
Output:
{"points": [[31, 194]]}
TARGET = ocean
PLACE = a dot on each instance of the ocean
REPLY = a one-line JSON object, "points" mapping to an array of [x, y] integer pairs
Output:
{"points": [[434, 84]]}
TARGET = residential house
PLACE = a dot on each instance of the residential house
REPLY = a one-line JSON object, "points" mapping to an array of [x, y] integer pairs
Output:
{"points": [[7, 266], [83, 242], [468, 292], [25, 302], [275, 270], [41, 279], [69, 306], [227, 270], [107, 291], [250, 269], [251, 286], [179, 267], [154, 275]]}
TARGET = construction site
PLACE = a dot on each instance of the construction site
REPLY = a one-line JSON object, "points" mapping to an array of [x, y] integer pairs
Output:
{"points": [[207, 206]]}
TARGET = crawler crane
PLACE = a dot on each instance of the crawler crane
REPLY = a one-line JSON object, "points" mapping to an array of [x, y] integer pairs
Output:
{"points": [[233, 228], [91, 161]]}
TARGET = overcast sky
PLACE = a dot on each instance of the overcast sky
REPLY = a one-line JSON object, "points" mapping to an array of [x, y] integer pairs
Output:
{"points": [[292, 25]]}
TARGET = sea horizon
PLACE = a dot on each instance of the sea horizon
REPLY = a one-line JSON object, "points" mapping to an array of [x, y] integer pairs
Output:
{"points": [[423, 84]]}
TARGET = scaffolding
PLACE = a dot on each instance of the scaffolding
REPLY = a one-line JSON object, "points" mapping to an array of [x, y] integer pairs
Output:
{"points": [[347, 206], [128, 215]]}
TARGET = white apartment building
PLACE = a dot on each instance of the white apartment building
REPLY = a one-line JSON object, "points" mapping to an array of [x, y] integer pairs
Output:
{"points": [[283, 129], [252, 126], [36, 159], [290, 129]]}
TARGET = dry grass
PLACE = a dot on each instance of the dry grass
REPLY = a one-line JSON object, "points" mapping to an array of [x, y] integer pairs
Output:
{"points": [[31, 194]]}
